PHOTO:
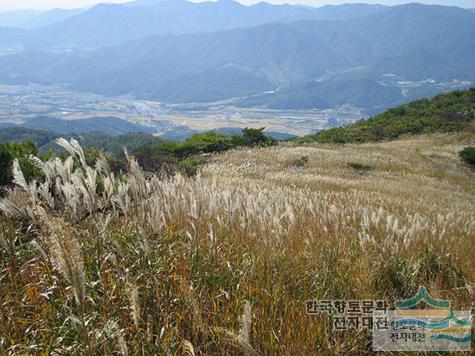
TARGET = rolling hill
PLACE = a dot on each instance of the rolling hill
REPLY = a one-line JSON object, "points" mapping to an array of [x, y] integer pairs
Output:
{"points": [[327, 94], [255, 231], [107, 125], [450, 112]]}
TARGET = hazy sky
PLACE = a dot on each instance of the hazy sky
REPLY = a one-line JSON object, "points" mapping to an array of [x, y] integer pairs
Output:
{"points": [[45, 4]]}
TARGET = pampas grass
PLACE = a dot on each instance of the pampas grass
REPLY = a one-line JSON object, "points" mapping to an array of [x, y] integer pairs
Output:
{"points": [[187, 348], [134, 303], [242, 337], [152, 260], [65, 253]]}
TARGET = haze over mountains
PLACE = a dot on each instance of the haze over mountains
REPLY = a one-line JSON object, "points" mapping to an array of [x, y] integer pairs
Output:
{"points": [[112, 24], [30, 19], [286, 57]]}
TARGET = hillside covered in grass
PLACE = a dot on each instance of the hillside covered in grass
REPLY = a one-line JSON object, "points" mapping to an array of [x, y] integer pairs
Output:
{"points": [[449, 112], [223, 262]]}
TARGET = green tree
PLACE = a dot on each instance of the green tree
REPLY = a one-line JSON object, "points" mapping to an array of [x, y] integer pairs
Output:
{"points": [[208, 142], [468, 155], [21, 151], [153, 158], [253, 137]]}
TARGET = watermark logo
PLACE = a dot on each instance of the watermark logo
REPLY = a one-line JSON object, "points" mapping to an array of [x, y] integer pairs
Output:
{"points": [[436, 327], [350, 314], [420, 323]]}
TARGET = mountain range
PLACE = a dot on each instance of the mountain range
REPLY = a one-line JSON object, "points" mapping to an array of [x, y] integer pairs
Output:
{"points": [[31, 19], [113, 24], [297, 57]]}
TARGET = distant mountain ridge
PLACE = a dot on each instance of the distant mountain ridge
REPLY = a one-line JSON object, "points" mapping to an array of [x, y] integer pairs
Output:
{"points": [[367, 56], [31, 19], [301, 65], [113, 24], [107, 125]]}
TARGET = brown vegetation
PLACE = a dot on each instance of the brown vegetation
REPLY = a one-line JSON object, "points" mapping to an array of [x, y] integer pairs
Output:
{"points": [[222, 263]]}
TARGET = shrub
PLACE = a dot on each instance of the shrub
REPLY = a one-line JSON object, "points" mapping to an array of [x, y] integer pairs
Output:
{"points": [[468, 155], [253, 137], [21, 151], [302, 161], [447, 112], [208, 142], [6, 160], [191, 164], [152, 158], [117, 164], [187, 155], [359, 166]]}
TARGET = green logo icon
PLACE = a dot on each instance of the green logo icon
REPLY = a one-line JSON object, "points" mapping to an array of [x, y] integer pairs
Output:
{"points": [[422, 296]]}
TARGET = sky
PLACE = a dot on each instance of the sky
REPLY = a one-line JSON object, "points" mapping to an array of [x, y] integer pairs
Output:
{"points": [[69, 4]]}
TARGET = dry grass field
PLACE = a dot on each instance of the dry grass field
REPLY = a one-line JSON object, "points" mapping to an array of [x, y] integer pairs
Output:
{"points": [[222, 263]]}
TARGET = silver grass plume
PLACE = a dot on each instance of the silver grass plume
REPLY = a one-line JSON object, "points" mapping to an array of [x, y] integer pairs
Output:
{"points": [[74, 148], [17, 205], [187, 348], [112, 330], [245, 321], [103, 167], [138, 186], [18, 177], [134, 302], [65, 253], [242, 338]]}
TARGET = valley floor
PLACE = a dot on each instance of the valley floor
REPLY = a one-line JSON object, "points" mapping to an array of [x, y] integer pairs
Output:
{"points": [[223, 263]]}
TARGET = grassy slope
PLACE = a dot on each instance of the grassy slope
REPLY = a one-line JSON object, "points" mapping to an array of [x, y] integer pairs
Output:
{"points": [[448, 112], [253, 227]]}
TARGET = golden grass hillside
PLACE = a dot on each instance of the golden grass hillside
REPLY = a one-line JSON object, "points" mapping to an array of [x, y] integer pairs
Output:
{"points": [[223, 263]]}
